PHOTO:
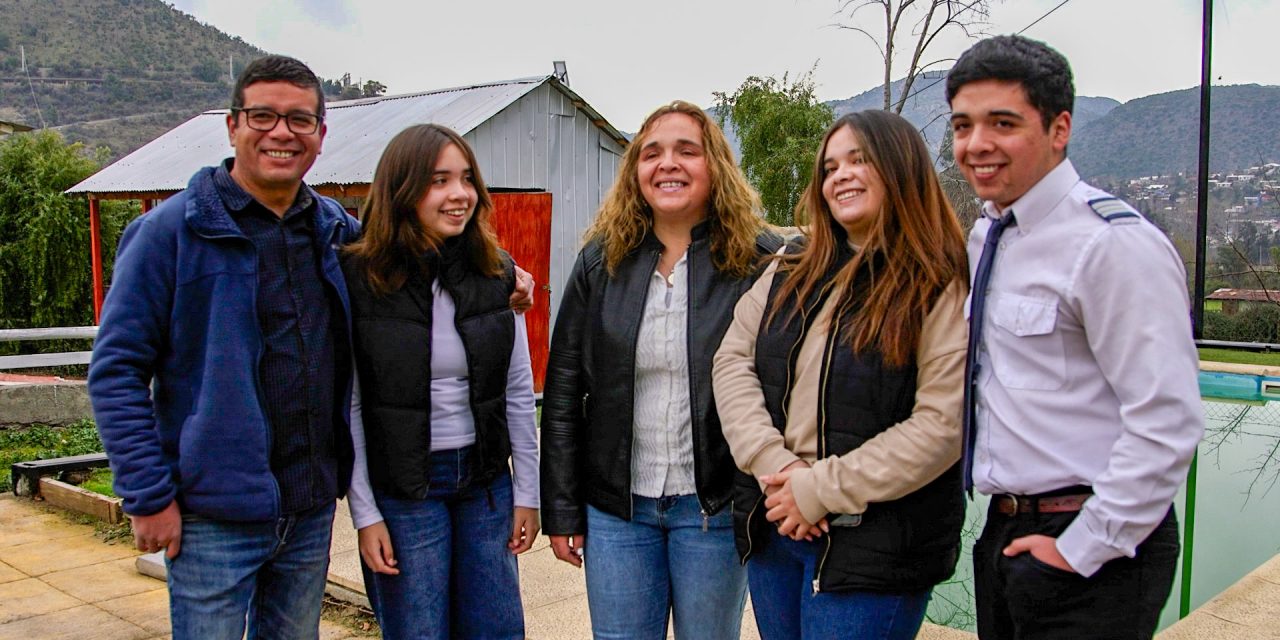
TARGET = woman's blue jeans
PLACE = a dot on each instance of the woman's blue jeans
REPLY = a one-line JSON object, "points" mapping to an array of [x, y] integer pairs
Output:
{"points": [[457, 577], [786, 608], [667, 559]]}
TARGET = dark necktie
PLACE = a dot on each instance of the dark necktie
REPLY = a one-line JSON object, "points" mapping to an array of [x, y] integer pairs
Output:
{"points": [[977, 308]]}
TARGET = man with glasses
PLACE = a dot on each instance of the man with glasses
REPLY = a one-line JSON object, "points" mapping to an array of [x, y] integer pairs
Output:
{"points": [[221, 376], [1082, 406]]}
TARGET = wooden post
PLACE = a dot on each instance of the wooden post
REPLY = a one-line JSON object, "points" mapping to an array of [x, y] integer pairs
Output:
{"points": [[95, 251]]}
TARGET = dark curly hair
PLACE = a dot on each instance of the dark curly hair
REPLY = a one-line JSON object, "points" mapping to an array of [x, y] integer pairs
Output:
{"points": [[1044, 73]]}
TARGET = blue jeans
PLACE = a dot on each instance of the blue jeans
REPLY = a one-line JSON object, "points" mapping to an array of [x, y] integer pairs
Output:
{"points": [[663, 560], [457, 577], [786, 607], [270, 575]]}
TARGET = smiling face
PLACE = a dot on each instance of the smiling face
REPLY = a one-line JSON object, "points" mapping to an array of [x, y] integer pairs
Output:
{"points": [[1001, 144], [450, 199], [672, 168], [270, 164], [851, 186]]}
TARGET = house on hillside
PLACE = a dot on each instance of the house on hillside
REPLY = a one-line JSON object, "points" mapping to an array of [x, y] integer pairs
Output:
{"points": [[7, 128], [547, 155], [1232, 301]]}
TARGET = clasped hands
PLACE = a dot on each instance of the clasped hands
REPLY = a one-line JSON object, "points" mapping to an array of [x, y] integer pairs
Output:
{"points": [[782, 508]]}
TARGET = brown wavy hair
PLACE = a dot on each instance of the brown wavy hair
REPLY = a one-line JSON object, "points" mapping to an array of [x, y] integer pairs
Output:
{"points": [[394, 241], [625, 218], [916, 238]]}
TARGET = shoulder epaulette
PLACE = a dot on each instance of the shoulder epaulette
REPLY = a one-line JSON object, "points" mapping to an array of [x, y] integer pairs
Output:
{"points": [[1113, 210]]}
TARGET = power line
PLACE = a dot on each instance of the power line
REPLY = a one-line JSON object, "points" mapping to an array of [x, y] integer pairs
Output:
{"points": [[32, 86], [1019, 32], [1046, 15]]}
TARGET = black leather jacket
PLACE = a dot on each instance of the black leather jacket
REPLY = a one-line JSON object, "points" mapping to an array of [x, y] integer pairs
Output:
{"points": [[587, 406]]}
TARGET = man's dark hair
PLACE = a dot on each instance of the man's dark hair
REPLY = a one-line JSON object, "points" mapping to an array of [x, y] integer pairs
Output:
{"points": [[1043, 73], [277, 69]]}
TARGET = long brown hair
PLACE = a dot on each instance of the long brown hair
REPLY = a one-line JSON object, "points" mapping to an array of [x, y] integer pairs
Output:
{"points": [[394, 241], [734, 221], [915, 236]]}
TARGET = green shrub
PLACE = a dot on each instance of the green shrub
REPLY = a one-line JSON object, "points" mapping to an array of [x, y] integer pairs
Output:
{"points": [[42, 442]]}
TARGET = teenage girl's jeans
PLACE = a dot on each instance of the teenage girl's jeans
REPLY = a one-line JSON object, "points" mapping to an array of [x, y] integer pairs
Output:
{"points": [[786, 607], [457, 578], [268, 575], [668, 558]]}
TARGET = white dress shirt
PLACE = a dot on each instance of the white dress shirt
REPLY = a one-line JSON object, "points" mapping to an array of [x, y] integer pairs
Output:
{"points": [[1088, 368], [662, 437]]}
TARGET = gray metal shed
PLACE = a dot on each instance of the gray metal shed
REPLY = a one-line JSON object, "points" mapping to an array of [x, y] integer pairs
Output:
{"points": [[529, 134]]}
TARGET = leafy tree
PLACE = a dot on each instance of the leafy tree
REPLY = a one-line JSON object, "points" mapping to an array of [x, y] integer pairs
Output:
{"points": [[912, 23], [207, 71], [373, 88], [45, 266], [780, 125]]}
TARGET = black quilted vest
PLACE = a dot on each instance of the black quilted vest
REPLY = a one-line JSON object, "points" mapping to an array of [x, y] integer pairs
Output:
{"points": [[392, 339]]}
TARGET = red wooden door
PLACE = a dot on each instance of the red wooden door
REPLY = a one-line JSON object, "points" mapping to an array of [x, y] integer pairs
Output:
{"points": [[523, 223]]}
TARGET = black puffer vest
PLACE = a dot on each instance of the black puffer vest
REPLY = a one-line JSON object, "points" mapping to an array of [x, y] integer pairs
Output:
{"points": [[392, 338], [907, 544]]}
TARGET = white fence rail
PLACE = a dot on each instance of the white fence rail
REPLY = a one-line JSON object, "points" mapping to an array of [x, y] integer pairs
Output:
{"points": [[40, 360]]}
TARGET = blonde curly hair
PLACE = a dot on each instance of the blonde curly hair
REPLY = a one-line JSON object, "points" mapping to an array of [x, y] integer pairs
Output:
{"points": [[625, 217]]}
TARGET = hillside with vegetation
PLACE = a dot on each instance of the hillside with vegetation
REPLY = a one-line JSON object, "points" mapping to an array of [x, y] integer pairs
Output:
{"points": [[1159, 134], [118, 73], [114, 73]]}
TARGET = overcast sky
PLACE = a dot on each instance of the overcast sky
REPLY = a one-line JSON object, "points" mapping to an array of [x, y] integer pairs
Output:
{"points": [[626, 58]]}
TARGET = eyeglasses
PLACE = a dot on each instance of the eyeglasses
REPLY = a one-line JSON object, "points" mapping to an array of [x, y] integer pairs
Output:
{"points": [[299, 122]]}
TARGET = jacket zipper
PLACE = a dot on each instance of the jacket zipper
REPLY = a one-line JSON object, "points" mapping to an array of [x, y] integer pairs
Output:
{"points": [[695, 428], [786, 399], [832, 340]]}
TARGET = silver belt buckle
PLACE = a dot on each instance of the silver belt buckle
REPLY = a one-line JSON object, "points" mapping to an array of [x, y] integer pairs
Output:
{"points": [[1013, 500]]}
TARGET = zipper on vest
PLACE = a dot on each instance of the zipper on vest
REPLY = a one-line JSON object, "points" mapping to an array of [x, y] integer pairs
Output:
{"points": [[833, 339], [750, 544]]}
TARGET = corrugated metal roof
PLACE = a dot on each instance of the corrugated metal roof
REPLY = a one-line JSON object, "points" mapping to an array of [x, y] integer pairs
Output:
{"points": [[358, 132], [1248, 295]]}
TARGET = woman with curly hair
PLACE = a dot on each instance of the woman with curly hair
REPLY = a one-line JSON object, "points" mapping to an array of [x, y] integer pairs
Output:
{"points": [[633, 459], [840, 387]]}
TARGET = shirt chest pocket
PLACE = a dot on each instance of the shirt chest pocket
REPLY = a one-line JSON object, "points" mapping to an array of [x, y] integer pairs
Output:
{"points": [[1025, 350]]}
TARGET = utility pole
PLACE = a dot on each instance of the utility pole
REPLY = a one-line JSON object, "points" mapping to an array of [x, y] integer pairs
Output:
{"points": [[231, 71], [24, 57]]}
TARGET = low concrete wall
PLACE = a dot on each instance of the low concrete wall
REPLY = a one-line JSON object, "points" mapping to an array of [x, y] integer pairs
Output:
{"points": [[55, 403]]}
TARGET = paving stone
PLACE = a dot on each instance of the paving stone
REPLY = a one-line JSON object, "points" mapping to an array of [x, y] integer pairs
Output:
{"points": [[545, 579], [30, 597], [9, 574], [149, 609], [85, 622], [37, 526], [39, 558], [104, 581]]}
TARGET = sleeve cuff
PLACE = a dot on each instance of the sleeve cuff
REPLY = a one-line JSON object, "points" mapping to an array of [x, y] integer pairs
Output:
{"points": [[1083, 550], [772, 460], [807, 496]]}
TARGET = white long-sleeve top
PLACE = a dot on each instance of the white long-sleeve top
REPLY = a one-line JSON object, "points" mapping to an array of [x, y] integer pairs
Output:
{"points": [[662, 442], [1087, 365], [452, 425]]}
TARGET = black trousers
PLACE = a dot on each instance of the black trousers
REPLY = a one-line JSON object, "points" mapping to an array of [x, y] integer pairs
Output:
{"points": [[1023, 598]]}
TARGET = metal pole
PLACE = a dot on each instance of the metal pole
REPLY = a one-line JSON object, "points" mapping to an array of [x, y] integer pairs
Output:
{"points": [[1197, 312], [1202, 187], [95, 254], [1188, 539]]}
